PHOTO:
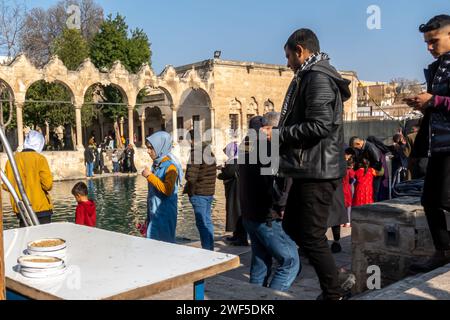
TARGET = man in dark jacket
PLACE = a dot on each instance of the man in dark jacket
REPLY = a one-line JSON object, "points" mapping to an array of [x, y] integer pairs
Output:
{"points": [[263, 223], [200, 187], [311, 137], [373, 152], [89, 159], [436, 194]]}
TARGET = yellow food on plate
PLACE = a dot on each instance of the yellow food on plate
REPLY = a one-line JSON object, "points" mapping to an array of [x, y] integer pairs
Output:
{"points": [[47, 243]]}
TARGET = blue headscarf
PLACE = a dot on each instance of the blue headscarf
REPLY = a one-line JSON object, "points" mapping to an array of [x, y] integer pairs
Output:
{"points": [[161, 142]]}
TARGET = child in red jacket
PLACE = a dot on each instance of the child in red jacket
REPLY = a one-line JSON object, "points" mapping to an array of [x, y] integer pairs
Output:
{"points": [[364, 184], [86, 213]]}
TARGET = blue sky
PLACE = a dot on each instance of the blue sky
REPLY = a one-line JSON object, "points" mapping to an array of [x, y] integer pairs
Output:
{"points": [[186, 31]]}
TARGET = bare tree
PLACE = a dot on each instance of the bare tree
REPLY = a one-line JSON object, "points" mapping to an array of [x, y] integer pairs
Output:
{"points": [[42, 27], [405, 88], [12, 19]]}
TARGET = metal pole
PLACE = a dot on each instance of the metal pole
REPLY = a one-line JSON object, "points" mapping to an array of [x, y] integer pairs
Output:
{"points": [[22, 210], [22, 192], [2, 255]]}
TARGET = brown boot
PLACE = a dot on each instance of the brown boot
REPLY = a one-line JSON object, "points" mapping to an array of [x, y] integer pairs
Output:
{"points": [[439, 259]]}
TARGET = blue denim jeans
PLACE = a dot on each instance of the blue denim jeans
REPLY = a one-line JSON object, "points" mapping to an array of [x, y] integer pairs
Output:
{"points": [[90, 169], [115, 167], [202, 210], [272, 242]]}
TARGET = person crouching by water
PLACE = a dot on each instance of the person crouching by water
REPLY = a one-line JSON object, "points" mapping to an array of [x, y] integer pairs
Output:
{"points": [[86, 213], [163, 180], [36, 177]]}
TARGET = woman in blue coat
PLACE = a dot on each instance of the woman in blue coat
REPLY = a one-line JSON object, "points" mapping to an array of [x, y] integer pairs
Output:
{"points": [[163, 180]]}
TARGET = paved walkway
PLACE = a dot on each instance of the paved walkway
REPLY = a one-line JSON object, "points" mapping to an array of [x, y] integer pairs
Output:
{"points": [[234, 284]]}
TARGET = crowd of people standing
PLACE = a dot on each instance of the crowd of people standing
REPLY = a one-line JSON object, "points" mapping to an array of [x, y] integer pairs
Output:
{"points": [[318, 179]]}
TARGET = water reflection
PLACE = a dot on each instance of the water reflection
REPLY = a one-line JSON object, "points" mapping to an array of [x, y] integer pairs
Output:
{"points": [[121, 204]]}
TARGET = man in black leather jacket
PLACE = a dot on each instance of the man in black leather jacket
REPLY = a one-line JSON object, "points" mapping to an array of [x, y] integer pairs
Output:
{"points": [[311, 137], [433, 140]]}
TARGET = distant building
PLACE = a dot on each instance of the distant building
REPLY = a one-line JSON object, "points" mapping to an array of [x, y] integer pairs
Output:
{"points": [[380, 100]]}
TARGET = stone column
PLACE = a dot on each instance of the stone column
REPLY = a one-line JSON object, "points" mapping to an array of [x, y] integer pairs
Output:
{"points": [[79, 128], [143, 130], [213, 126], [131, 125], [19, 119], [243, 122], [121, 122], [175, 125]]}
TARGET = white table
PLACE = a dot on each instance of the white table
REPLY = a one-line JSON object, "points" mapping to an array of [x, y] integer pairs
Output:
{"points": [[108, 265]]}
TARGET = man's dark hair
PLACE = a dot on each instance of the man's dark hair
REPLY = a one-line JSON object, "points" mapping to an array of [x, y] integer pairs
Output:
{"points": [[397, 137], [80, 189], [305, 38], [352, 140], [273, 118], [435, 23]]}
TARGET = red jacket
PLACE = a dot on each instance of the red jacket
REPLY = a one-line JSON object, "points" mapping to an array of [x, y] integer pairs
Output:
{"points": [[86, 214], [364, 187]]}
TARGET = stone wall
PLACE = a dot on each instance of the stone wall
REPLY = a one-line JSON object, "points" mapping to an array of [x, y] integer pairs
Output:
{"points": [[69, 165], [64, 165], [391, 235]]}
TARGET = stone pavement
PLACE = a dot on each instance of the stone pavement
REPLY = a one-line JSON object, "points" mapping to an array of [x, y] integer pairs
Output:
{"points": [[434, 285], [234, 284]]}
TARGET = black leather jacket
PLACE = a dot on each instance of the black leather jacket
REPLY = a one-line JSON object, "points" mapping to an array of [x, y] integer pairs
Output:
{"points": [[312, 132], [430, 121]]}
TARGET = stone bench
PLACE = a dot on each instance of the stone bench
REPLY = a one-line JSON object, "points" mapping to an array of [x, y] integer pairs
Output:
{"points": [[391, 235]]}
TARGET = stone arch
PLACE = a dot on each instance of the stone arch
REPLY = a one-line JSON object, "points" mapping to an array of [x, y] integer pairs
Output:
{"points": [[4, 85], [235, 109], [59, 133], [194, 111], [160, 98], [269, 106], [154, 120], [252, 108], [101, 123], [55, 81], [112, 84]]}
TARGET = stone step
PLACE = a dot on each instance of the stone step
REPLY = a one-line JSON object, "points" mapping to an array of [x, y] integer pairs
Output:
{"points": [[434, 285]]}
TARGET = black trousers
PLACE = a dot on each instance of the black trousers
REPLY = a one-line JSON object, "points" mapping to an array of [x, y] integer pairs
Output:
{"points": [[305, 221], [46, 219], [336, 233], [240, 231], [436, 199]]}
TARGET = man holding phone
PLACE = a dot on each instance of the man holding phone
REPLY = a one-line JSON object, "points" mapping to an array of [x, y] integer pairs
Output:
{"points": [[433, 139]]}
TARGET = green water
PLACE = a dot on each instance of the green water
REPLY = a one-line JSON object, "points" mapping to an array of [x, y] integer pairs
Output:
{"points": [[121, 204]]}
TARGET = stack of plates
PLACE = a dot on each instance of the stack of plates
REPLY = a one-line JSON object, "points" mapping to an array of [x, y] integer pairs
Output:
{"points": [[48, 248], [39, 267]]}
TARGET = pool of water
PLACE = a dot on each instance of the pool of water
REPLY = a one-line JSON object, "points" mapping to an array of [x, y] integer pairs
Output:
{"points": [[121, 204]]}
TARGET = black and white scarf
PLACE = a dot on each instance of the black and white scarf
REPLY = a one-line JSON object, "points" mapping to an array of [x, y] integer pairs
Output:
{"points": [[308, 64], [442, 75]]}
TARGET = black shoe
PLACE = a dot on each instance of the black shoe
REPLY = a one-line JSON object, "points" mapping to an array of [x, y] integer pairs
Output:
{"points": [[346, 282], [336, 247], [231, 239], [239, 243], [439, 259], [345, 296]]}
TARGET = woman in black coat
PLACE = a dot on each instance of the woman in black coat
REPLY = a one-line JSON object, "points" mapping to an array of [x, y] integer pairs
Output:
{"points": [[230, 177]]}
